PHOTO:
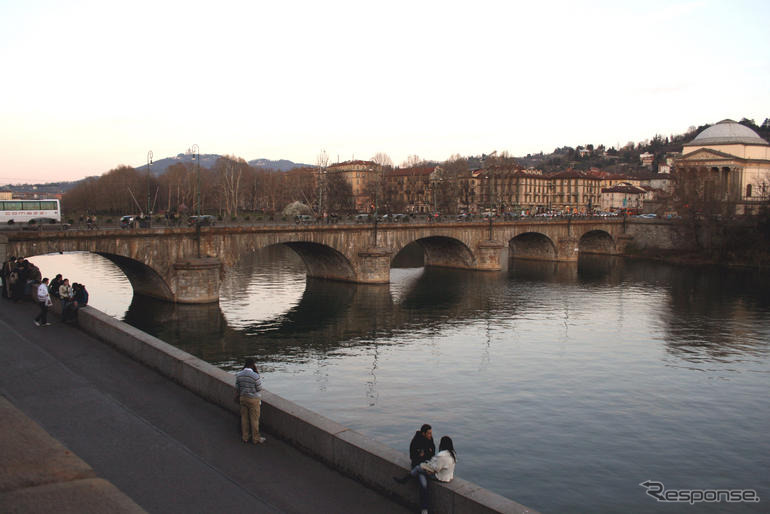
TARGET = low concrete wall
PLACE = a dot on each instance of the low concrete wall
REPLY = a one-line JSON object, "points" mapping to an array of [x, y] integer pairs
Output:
{"points": [[362, 458]]}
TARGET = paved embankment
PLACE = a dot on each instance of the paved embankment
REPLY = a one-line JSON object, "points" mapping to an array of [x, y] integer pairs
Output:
{"points": [[166, 448], [38, 474]]}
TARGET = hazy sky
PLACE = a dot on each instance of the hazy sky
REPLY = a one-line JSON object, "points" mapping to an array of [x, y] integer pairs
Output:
{"points": [[86, 86]]}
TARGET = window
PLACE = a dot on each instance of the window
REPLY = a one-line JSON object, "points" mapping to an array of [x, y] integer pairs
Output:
{"points": [[748, 191]]}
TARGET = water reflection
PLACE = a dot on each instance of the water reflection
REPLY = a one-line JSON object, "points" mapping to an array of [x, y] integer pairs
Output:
{"points": [[704, 315], [716, 315]]}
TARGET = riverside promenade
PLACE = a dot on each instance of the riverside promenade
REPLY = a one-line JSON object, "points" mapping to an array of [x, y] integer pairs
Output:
{"points": [[140, 441]]}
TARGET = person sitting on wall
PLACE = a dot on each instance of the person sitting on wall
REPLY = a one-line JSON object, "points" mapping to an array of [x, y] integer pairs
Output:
{"points": [[441, 468], [53, 287], [421, 449], [79, 299], [66, 295]]}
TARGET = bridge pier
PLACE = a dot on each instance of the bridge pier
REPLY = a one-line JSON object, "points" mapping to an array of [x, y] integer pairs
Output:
{"points": [[374, 266], [196, 280], [492, 256], [567, 249]]}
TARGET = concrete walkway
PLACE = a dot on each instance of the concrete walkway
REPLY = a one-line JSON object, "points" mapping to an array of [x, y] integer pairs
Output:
{"points": [[167, 449]]}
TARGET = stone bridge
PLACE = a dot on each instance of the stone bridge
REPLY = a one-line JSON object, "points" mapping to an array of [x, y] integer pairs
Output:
{"points": [[185, 265]]}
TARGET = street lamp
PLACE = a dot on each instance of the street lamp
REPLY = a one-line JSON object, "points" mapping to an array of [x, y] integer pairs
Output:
{"points": [[197, 157], [149, 163]]}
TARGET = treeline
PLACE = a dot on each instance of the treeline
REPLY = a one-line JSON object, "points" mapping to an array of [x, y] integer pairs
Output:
{"points": [[232, 186]]}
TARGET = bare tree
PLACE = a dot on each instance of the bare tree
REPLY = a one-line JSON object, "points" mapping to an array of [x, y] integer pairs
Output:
{"points": [[412, 161], [230, 170], [110, 193], [383, 160]]}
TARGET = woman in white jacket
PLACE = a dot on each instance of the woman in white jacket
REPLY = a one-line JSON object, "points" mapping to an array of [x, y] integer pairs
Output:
{"points": [[441, 467]]}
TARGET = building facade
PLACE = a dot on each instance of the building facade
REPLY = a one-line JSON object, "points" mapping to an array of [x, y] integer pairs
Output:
{"points": [[726, 168], [365, 179]]}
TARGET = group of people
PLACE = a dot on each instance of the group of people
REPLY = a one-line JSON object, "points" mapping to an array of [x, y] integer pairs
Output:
{"points": [[72, 297], [19, 276], [22, 279], [426, 463]]}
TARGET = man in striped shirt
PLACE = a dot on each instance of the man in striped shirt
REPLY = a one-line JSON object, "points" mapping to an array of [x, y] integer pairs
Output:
{"points": [[249, 384]]}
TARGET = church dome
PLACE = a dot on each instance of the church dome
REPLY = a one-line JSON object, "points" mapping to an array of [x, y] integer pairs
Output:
{"points": [[727, 132]]}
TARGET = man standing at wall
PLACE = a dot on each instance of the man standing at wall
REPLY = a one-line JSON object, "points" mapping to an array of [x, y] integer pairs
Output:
{"points": [[248, 384]]}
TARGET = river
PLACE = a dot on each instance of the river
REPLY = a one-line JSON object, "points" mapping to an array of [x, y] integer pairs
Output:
{"points": [[564, 386]]}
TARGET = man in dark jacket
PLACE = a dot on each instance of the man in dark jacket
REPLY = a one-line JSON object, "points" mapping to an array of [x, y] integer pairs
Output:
{"points": [[422, 448], [53, 287]]}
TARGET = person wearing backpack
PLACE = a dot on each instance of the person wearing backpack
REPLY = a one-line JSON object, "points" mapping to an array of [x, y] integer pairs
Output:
{"points": [[44, 301]]}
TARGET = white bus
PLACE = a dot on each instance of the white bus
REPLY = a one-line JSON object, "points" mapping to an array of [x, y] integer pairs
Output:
{"points": [[24, 211]]}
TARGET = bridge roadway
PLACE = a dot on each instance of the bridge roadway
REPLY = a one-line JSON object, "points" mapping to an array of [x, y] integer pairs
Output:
{"points": [[165, 448], [185, 265]]}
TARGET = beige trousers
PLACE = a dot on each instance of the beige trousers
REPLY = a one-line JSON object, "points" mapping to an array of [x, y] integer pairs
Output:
{"points": [[250, 415]]}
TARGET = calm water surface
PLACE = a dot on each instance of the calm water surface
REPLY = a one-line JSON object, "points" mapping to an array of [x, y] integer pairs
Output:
{"points": [[563, 386]]}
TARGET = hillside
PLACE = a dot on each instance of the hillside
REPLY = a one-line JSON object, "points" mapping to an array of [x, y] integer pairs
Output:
{"points": [[160, 166], [625, 159]]}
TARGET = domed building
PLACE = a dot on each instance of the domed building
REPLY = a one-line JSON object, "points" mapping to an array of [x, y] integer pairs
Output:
{"points": [[726, 169]]}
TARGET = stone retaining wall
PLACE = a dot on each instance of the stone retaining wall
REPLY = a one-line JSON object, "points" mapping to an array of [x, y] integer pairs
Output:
{"points": [[351, 453]]}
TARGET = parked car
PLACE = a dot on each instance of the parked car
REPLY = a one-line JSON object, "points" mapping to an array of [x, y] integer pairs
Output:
{"points": [[128, 221], [464, 216], [303, 219], [362, 218], [396, 218], [202, 220]]}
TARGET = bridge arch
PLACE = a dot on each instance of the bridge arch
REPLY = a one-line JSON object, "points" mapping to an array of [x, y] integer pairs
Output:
{"points": [[144, 280], [597, 242], [532, 245], [442, 251], [322, 261]]}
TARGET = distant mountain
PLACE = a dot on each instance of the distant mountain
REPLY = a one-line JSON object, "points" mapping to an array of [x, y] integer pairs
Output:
{"points": [[280, 165], [159, 167]]}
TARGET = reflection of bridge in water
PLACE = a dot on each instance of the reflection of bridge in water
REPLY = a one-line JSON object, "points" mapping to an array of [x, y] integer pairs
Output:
{"points": [[185, 265], [333, 315]]}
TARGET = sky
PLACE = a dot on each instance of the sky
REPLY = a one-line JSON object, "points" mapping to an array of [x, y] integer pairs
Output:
{"points": [[87, 86]]}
